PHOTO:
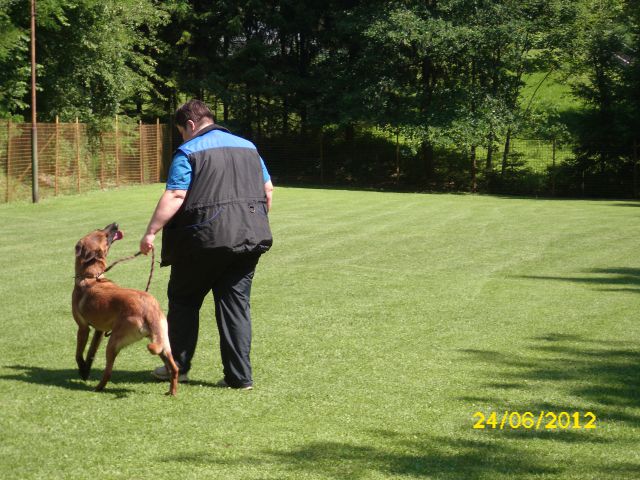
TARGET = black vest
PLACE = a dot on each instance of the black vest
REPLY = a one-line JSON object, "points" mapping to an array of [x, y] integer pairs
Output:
{"points": [[225, 207]]}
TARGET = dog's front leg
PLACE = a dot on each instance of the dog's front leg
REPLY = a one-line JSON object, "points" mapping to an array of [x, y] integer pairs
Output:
{"points": [[95, 343], [83, 336]]}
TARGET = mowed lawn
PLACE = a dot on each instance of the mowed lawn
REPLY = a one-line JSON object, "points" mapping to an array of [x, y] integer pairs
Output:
{"points": [[382, 323]]}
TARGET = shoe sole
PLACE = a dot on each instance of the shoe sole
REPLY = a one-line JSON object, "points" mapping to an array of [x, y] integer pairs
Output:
{"points": [[182, 378], [224, 385]]}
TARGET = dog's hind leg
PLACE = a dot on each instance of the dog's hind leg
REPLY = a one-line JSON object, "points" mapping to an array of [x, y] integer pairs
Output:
{"points": [[171, 366], [112, 351], [160, 346], [83, 336], [93, 348]]}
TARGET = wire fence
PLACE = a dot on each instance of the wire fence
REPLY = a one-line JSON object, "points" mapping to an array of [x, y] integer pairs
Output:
{"points": [[529, 166], [72, 158], [311, 158], [534, 154]]}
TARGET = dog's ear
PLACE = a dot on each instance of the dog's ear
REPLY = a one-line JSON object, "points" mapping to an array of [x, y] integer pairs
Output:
{"points": [[85, 255]]}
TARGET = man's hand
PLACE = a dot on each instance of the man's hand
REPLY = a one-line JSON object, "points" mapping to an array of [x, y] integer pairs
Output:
{"points": [[146, 244], [169, 203]]}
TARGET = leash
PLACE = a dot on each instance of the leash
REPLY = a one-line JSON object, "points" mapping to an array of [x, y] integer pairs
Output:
{"points": [[153, 264], [126, 259]]}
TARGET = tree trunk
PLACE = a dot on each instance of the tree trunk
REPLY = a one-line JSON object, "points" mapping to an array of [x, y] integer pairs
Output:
{"points": [[505, 154], [285, 102], [428, 159], [248, 115], [258, 119], [225, 101], [489, 165], [349, 139], [285, 117], [303, 71], [474, 170]]}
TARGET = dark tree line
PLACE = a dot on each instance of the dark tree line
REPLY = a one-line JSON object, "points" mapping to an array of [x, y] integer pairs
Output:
{"points": [[443, 78]]}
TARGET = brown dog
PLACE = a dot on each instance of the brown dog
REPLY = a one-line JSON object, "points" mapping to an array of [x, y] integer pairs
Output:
{"points": [[128, 314]]}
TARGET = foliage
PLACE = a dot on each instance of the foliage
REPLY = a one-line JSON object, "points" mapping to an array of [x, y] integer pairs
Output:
{"points": [[95, 57], [14, 70], [605, 55], [443, 74]]}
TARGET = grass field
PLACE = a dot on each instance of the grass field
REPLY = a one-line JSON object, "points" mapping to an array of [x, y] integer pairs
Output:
{"points": [[382, 323], [554, 90]]}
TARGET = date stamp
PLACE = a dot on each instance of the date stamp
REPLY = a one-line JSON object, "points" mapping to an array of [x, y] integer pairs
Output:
{"points": [[535, 421]]}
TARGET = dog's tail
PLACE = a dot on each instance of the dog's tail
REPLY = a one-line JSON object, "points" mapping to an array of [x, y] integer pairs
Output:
{"points": [[159, 332], [154, 348], [160, 338]]}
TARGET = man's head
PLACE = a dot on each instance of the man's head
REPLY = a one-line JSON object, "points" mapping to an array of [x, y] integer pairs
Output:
{"points": [[192, 117]]}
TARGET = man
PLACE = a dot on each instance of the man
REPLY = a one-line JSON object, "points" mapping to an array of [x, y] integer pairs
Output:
{"points": [[215, 227]]}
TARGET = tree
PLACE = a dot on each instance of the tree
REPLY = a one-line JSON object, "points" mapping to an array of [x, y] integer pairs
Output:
{"points": [[95, 57], [14, 70], [605, 60]]}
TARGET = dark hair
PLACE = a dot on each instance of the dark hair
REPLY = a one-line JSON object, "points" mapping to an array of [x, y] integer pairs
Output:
{"points": [[194, 110]]}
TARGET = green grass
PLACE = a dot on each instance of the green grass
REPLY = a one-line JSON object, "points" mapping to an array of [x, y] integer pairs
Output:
{"points": [[554, 91], [382, 323]]}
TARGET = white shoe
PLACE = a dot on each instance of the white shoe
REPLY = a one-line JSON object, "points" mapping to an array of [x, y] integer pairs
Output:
{"points": [[161, 373], [223, 384]]}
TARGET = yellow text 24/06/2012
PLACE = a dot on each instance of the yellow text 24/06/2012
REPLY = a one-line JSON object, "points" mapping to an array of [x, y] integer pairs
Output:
{"points": [[543, 420]]}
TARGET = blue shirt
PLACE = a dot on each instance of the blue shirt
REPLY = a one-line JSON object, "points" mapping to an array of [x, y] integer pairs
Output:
{"points": [[179, 177]]}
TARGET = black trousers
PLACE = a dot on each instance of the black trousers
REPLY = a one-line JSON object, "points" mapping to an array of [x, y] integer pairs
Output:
{"points": [[229, 277]]}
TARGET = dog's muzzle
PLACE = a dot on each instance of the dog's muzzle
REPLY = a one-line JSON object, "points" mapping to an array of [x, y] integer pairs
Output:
{"points": [[113, 233]]}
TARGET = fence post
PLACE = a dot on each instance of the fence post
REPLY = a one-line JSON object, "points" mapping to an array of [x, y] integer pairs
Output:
{"points": [[102, 154], [553, 160], [78, 152], [397, 157], [474, 170], [56, 171], [635, 169], [141, 154], [7, 193], [117, 156], [321, 156], [158, 150]]}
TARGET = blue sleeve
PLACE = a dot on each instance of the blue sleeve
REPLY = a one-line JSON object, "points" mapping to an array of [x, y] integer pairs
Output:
{"points": [[179, 177], [265, 172]]}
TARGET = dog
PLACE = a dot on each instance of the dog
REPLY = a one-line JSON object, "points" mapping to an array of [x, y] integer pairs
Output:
{"points": [[128, 314]]}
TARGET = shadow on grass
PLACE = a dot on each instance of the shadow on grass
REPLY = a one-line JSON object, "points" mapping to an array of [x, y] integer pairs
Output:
{"points": [[598, 375], [627, 279], [69, 378], [394, 454]]}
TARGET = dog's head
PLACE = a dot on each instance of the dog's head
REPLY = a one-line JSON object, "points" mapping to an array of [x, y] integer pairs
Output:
{"points": [[92, 249]]}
